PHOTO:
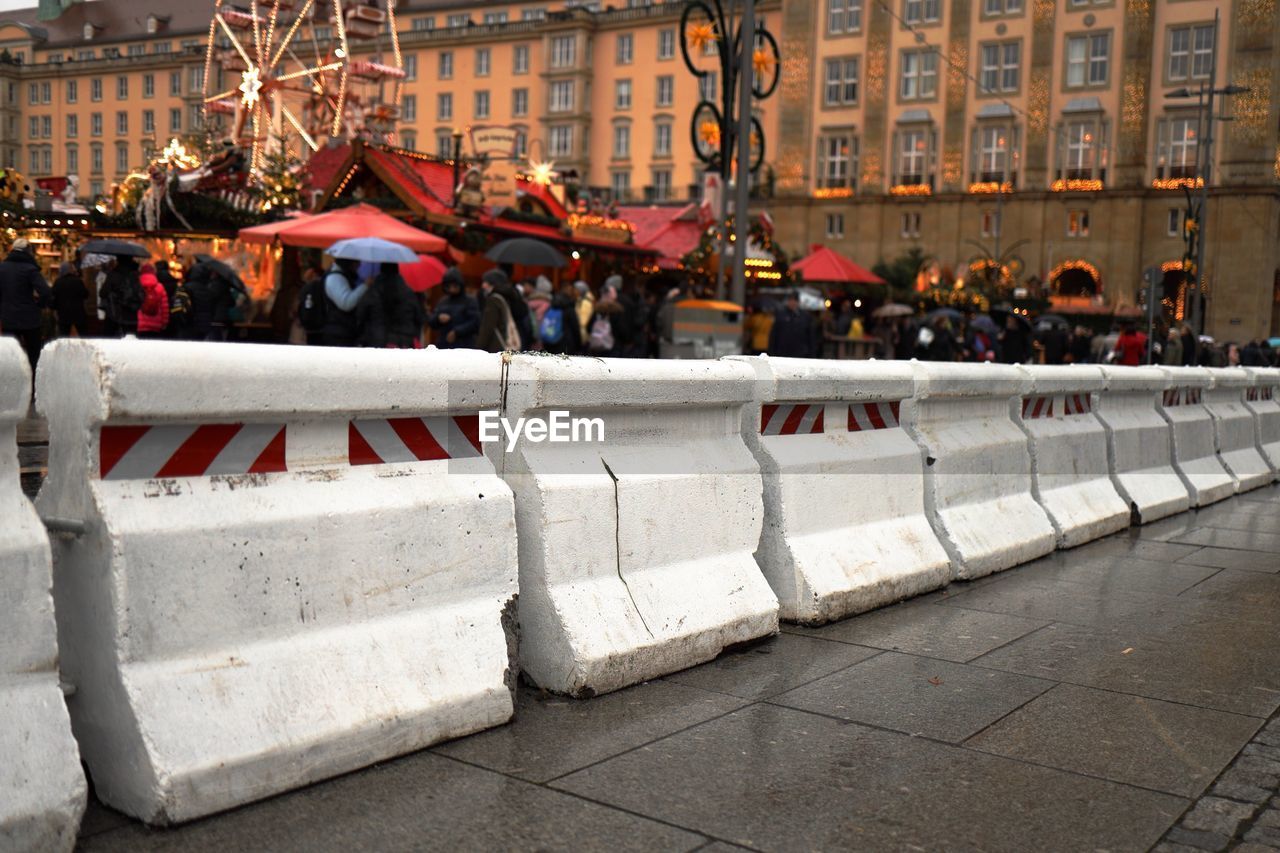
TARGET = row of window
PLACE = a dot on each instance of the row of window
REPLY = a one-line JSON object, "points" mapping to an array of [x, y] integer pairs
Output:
{"points": [[1077, 224], [1088, 65], [561, 99], [42, 93], [1081, 153], [41, 127], [845, 16], [564, 55]]}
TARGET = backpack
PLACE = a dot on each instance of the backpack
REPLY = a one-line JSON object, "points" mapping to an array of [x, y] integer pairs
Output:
{"points": [[601, 334], [311, 308], [239, 299], [180, 309], [551, 329], [508, 332], [130, 295]]}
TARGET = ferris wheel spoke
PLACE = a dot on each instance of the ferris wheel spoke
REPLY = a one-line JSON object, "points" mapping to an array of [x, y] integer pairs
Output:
{"points": [[308, 72], [230, 93], [293, 28], [235, 42], [297, 125]]}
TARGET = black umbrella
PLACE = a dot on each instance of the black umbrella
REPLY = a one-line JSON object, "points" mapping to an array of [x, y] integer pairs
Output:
{"points": [[526, 251], [119, 248], [1001, 315], [220, 267], [1053, 321], [950, 313]]}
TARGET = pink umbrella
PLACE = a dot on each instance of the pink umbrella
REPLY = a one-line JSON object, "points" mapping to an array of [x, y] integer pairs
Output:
{"points": [[427, 273]]}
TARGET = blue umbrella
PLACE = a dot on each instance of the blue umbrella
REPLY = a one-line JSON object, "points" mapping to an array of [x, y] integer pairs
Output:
{"points": [[373, 249]]}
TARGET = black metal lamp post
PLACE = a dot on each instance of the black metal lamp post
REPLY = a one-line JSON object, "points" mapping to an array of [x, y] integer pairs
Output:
{"points": [[457, 164], [748, 65]]}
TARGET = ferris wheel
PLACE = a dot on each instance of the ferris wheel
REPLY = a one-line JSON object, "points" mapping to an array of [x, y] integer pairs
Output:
{"points": [[313, 69]]}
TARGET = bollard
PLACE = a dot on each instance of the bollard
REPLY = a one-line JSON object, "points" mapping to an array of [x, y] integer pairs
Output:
{"points": [[977, 472], [296, 562], [636, 548], [1068, 444], [1234, 429], [42, 790], [1139, 443], [845, 529], [1194, 456]]}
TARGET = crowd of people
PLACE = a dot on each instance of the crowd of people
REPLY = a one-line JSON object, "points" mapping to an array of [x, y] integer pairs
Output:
{"points": [[364, 305]]}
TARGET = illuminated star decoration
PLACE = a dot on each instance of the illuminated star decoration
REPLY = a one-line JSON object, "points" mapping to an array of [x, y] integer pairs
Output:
{"points": [[542, 172], [250, 87], [701, 35], [763, 61]]}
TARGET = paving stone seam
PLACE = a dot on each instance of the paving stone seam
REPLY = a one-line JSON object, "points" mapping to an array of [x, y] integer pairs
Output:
{"points": [[708, 838], [1120, 692], [1269, 727]]}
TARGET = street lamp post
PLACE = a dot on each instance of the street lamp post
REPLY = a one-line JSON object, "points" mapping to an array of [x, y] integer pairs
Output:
{"points": [[1198, 213], [457, 164], [723, 128]]}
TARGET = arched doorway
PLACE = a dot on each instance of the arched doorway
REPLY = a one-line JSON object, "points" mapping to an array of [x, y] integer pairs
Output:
{"points": [[1076, 280]]}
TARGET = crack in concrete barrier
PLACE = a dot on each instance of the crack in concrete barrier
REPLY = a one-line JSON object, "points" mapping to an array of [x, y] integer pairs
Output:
{"points": [[617, 545]]}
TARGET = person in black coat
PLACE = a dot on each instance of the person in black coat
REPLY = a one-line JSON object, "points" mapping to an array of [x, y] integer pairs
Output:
{"points": [[566, 302], [794, 334], [456, 319], [402, 308], [166, 279], [23, 293], [69, 295], [123, 297]]}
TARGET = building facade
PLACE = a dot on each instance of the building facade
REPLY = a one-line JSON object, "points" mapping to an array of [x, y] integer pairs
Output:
{"points": [[602, 92], [902, 122], [1039, 132]]}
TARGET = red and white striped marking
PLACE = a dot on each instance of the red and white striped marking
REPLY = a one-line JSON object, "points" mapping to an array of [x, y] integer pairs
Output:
{"points": [[1077, 404], [1037, 407], [871, 416], [1183, 396], [792, 419], [381, 441], [189, 450]]}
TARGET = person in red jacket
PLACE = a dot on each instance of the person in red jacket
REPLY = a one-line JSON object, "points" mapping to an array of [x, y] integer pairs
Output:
{"points": [[153, 316], [1131, 348]]}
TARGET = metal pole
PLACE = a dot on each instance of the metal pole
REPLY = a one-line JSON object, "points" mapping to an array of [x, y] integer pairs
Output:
{"points": [[1152, 276], [726, 122], [742, 221], [1197, 319]]}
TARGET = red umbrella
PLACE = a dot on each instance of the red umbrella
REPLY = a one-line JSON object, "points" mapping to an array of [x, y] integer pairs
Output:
{"points": [[360, 220], [427, 273], [829, 266], [267, 233]]}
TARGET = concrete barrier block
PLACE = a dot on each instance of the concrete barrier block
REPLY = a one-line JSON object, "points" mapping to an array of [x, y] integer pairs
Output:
{"points": [[977, 472], [1235, 430], [1194, 455], [845, 529], [1140, 443], [635, 550], [42, 790], [1070, 475], [296, 562], [1262, 399]]}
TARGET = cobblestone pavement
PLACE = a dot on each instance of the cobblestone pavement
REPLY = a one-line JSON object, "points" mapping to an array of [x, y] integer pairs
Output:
{"points": [[1119, 696]]}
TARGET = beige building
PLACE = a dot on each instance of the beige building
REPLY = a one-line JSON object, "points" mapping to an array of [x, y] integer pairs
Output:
{"points": [[603, 93], [894, 126], [900, 123]]}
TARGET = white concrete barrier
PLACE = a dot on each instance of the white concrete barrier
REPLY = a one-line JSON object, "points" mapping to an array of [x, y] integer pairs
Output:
{"points": [[636, 549], [845, 529], [42, 790], [1263, 400], [295, 562], [1139, 443], [977, 472], [1235, 430], [1194, 456], [1068, 444]]}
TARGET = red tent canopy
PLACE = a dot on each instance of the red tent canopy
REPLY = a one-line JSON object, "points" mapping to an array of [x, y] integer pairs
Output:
{"points": [[829, 266], [360, 220]]}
